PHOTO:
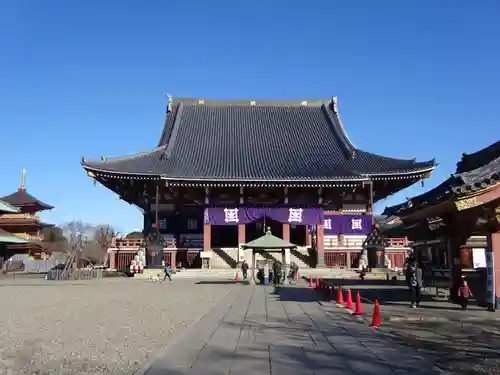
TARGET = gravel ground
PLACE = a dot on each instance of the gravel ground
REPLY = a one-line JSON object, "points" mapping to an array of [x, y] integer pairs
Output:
{"points": [[110, 326]]}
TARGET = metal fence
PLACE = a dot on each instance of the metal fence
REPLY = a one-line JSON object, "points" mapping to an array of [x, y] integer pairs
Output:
{"points": [[82, 274], [34, 265]]}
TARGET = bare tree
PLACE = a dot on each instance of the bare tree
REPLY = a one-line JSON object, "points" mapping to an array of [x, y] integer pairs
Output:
{"points": [[87, 243], [96, 248]]}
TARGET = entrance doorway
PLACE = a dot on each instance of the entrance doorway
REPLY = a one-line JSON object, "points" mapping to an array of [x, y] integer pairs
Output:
{"points": [[298, 234], [258, 228]]}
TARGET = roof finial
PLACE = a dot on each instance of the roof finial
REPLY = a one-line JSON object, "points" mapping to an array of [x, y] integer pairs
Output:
{"points": [[169, 103], [335, 103], [268, 230], [23, 180]]}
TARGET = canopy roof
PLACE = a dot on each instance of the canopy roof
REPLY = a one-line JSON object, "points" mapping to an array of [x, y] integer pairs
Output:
{"points": [[6, 208], [474, 173], [256, 141], [25, 201], [268, 242], [6, 237]]}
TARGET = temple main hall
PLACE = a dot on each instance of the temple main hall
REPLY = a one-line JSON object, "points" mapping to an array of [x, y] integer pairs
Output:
{"points": [[225, 170]]}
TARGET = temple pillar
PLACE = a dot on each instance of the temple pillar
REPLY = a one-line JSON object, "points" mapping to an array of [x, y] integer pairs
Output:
{"points": [[320, 236], [493, 270], [207, 237], [286, 232], [241, 229], [112, 259], [207, 231], [320, 246], [308, 236]]}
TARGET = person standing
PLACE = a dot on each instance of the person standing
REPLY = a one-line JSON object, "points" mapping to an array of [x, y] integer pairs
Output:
{"points": [[276, 273], [244, 269], [464, 293], [415, 282], [167, 270]]}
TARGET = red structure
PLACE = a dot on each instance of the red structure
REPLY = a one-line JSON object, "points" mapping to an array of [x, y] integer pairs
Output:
{"points": [[26, 223], [224, 170], [461, 214]]}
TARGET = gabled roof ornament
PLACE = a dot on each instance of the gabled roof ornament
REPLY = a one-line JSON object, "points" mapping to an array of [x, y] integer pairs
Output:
{"points": [[169, 103], [335, 103]]}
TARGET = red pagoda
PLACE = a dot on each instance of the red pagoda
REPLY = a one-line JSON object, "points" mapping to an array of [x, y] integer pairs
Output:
{"points": [[224, 170], [25, 223]]}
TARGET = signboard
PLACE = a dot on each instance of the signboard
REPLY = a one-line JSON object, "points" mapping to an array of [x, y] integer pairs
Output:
{"points": [[479, 257]]}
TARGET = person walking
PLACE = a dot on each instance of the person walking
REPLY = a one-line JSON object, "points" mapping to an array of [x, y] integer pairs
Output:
{"points": [[167, 270], [244, 269], [464, 293], [415, 282]]}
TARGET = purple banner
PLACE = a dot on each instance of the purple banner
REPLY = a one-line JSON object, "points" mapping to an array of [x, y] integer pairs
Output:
{"points": [[347, 224], [245, 215]]}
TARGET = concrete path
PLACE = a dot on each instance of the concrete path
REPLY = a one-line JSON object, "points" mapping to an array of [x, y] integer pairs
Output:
{"points": [[260, 330]]}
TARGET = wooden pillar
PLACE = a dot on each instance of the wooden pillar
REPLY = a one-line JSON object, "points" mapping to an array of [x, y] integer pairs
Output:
{"points": [[241, 227], [207, 228], [112, 259], [320, 237], [308, 236], [286, 227], [493, 270], [286, 232], [320, 246]]}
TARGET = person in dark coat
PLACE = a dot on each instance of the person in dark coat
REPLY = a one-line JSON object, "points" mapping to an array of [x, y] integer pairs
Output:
{"points": [[244, 269], [415, 281], [276, 273]]}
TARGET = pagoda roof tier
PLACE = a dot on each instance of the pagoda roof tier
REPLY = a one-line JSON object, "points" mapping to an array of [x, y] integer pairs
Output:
{"points": [[475, 173], [256, 141], [6, 237], [6, 208], [26, 201]]}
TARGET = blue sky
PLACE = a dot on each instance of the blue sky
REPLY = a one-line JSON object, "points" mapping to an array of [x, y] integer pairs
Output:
{"points": [[415, 78]]}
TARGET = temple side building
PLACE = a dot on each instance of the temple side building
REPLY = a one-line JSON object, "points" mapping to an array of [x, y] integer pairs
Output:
{"points": [[459, 221], [223, 171]]}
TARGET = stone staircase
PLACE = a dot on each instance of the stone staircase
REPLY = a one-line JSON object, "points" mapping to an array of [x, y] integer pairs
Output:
{"points": [[228, 257]]}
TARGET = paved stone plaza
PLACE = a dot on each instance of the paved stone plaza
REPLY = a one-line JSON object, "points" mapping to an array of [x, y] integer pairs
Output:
{"points": [[127, 326], [260, 330]]}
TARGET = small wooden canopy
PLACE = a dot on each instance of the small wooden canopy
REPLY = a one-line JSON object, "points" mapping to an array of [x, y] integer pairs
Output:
{"points": [[268, 242]]}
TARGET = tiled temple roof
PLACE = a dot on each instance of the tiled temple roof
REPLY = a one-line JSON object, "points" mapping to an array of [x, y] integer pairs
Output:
{"points": [[22, 199], [214, 140], [474, 172]]}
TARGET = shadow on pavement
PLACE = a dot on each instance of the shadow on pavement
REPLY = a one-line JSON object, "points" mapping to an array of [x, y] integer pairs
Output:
{"points": [[222, 282], [295, 294], [462, 350]]}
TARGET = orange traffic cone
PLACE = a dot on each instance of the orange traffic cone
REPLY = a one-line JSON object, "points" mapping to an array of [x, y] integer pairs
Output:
{"points": [[359, 307], [298, 275], [310, 282], [317, 283], [376, 316], [340, 296], [348, 303], [237, 277]]}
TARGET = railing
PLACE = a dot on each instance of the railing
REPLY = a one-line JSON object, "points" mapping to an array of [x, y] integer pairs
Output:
{"points": [[331, 242], [334, 242], [20, 216], [83, 274], [349, 258], [138, 242]]}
